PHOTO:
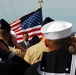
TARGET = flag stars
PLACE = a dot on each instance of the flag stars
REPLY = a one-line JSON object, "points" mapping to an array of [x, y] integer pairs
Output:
{"points": [[33, 20]]}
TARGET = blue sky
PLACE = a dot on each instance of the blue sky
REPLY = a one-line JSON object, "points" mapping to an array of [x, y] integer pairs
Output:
{"points": [[65, 10]]}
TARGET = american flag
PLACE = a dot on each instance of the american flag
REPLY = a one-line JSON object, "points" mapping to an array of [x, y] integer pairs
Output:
{"points": [[30, 23]]}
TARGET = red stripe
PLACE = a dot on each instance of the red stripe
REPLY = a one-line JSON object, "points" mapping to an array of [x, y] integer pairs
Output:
{"points": [[35, 34], [32, 30], [20, 33], [18, 30], [16, 24], [29, 31], [20, 38]]}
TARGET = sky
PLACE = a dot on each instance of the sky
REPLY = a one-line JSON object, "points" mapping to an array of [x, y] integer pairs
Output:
{"points": [[65, 10]]}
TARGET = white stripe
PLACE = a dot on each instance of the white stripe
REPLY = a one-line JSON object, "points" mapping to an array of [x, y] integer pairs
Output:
{"points": [[72, 72], [29, 29], [18, 21], [21, 31], [20, 36], [35, 32], [39, 26], [15, 27], [18, 41]]}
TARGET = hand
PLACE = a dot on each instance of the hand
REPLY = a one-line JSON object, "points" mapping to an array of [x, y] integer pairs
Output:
{"points": [[17, 44], [14, 40]]}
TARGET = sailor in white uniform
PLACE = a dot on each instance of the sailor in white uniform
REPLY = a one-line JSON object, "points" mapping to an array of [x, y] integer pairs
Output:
{"points": [[59, 61]]}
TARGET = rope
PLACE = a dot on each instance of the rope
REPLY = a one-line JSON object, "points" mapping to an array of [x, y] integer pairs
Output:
{"points": [[13, 8], [4, 11]]}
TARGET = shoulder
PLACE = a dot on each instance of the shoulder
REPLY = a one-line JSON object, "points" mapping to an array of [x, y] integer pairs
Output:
{"points": [[32, 70], [9, 67], [34, 47], [37, 46]]}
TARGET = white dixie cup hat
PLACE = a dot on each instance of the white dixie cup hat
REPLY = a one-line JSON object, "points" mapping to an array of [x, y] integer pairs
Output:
{"points": [[57, 30]]}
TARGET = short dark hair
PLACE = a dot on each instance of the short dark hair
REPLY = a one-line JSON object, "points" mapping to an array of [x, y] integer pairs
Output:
{"points": [[25, 33], [62, 42]]}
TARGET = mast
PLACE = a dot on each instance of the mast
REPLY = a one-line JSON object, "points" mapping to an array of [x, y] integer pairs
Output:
{"points": [[40, 1]]}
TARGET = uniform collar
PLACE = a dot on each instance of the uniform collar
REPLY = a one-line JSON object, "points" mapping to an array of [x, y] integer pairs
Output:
{"points": [[57, 61]]}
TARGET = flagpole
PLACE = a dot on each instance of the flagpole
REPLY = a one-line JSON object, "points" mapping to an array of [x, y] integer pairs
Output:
{"points": [[40, 1]]}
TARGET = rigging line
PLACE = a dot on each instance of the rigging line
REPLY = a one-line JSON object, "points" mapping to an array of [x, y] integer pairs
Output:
{"points": [[4, 11], [13, 8]]}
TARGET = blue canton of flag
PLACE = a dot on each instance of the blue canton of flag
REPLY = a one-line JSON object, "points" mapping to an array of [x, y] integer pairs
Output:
{"points": [[34, 19]]}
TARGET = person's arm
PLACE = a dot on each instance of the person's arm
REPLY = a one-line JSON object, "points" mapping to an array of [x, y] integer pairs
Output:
{"points": [[15, 58], [17, 44], [10, 55]]}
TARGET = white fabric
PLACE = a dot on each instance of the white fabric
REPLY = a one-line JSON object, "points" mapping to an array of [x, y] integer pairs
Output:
{"points": [[12, 32], [56, 30], [0, 59], [25, 43]]}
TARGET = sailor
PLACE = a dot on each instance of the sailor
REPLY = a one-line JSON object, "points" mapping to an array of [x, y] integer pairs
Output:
{"points": [[10, 63], [9, 39], [59, 61]]}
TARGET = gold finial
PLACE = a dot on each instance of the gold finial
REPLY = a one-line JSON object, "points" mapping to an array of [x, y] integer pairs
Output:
{"points": [[40, 1]]}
